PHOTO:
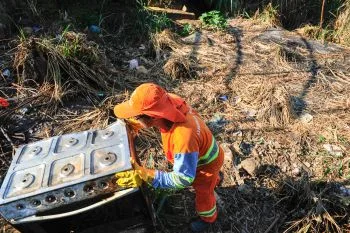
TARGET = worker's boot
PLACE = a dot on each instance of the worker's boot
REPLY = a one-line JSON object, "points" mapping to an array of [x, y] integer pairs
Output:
{"points": [[199, 225]]}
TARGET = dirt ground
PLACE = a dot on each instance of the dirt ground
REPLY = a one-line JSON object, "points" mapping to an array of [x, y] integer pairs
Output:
{"points": [[278, 103]]}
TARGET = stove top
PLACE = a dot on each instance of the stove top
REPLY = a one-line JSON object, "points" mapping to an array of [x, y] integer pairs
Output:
{"points": [[64, 169]]}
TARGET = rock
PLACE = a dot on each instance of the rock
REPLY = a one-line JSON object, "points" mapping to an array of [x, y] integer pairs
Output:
{"points": [[306, 118], [333, 150], [141, 70], [250, 165]]}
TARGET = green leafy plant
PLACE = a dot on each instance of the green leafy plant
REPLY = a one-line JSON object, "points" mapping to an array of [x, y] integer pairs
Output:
{"points": [[186, 30], [214, 19], [321, 139], [149, 22]]}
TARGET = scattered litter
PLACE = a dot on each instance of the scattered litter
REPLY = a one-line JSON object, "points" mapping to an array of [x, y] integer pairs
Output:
{"points": [[28, 30], [4, 103], [95, 29], [345, 191], [141, 70], [236, 100], [101, 94], [133, 64], [23, 110], [296, 171], [333, 150], [306, 118], [307, 164], [218, 120], [6, 73], [223, 98], [36, 28], [142, 47], [238, 133], [251, 113]]}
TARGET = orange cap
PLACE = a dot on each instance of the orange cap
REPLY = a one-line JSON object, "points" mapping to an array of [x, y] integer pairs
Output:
{"points": [[152, 100]]}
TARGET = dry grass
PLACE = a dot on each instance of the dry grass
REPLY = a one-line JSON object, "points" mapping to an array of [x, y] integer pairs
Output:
{"points": [[342, 24]]}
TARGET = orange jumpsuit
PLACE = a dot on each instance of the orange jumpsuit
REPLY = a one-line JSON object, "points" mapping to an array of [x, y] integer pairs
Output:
{"points": [[197, 159]]}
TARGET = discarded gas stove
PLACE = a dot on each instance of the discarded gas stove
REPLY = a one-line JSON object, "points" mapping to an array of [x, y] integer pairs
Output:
{"points": [[66, 184]]}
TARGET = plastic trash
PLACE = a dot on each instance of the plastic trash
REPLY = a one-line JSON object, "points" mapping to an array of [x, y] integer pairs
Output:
{"points": [[142, 47], [223, 98], [6, 73], [133, 64], [36, 28], [4, 103], [95, 29], [101, 94], [236, 100]]}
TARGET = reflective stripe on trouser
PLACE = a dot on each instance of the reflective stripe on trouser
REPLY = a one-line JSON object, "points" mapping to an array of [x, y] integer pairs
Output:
{"points": [[207, 177]]}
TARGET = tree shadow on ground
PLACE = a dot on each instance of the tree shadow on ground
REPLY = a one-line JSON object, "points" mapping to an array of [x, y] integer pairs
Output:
{"points": [[269, 202]]}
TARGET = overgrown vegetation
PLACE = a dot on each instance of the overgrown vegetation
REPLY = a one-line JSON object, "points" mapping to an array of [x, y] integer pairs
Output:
{"points": [[214, 19]]}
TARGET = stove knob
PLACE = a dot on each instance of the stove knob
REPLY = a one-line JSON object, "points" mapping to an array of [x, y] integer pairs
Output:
{"points": [[50, 199], [69, 193], [35, 203], [19, 206]]}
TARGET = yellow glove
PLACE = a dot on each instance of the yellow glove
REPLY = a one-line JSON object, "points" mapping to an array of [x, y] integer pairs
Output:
{"points": [[128, 179], [145, 174]]}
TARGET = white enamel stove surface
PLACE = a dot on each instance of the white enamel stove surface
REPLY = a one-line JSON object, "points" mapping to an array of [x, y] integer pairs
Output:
{"points": [[64, 169]]}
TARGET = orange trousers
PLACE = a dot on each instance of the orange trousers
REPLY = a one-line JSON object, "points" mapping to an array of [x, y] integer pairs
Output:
{"points": [[207, 178]]}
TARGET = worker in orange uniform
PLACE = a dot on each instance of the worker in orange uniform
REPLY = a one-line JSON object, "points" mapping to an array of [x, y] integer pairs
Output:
{"points": [[187, 143]]}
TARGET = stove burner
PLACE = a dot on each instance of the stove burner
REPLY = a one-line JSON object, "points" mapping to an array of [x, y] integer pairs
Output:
{"points": [[69, 193], [36, 150], [108, 134], [67, 169], [27, 180], [35, 203], [108, 159], [72, 142], [50, 199], [19, 207]]}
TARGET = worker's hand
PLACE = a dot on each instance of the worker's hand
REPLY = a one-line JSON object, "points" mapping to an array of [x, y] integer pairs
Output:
{"points": [[128, 179], [145, 174]]}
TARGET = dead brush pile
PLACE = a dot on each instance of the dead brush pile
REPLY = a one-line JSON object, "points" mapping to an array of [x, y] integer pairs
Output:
{"points": [[68, 61]]}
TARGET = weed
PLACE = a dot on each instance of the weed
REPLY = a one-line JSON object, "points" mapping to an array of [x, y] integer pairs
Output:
{"points": [[214, 19], [149, 22], [186, 30], [343, 141], [321, 139], [269, 15]]}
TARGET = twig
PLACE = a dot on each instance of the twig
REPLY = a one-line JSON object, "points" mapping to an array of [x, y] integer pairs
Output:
{"points": [[7, 137], [272, 224]]}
